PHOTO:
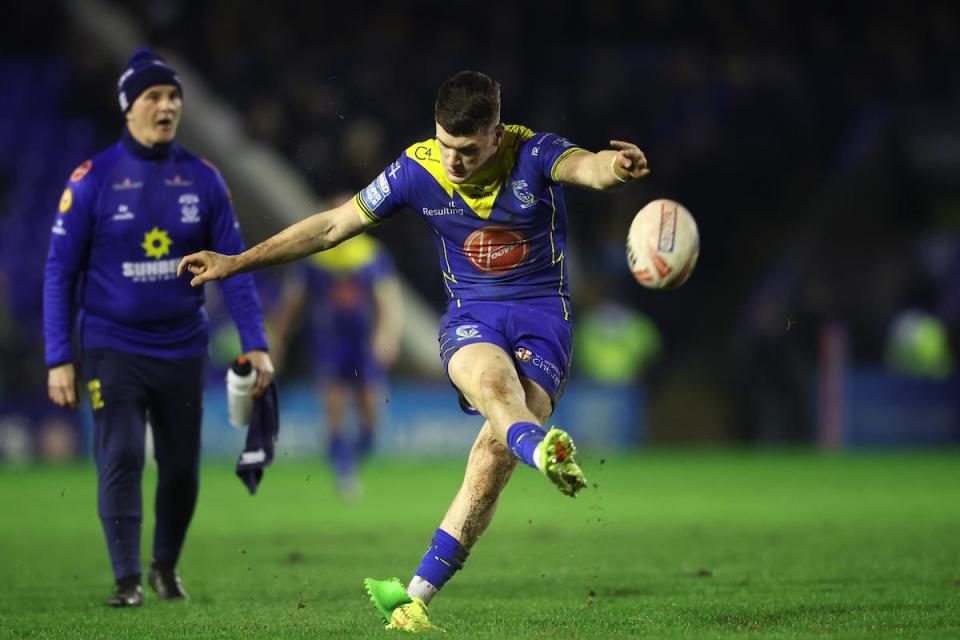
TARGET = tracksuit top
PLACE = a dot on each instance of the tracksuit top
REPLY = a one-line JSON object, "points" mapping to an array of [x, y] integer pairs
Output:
{"points": [[125, 219]]}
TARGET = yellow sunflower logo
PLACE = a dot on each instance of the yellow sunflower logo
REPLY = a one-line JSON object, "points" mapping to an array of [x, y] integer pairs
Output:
{"points": [[156, 243]]}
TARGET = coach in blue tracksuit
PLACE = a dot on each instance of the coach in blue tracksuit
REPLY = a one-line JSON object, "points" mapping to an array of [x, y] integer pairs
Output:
{"points": [[126, 217]]}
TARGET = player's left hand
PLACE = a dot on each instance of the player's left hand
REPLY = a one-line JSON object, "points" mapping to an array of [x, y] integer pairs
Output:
{"points": [[630, 161], [264, 365]]}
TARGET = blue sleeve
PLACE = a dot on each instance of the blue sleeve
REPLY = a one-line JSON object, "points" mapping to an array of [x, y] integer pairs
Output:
{"points": [[70, 239], [239, 291], [547, 151], [386, 194]]}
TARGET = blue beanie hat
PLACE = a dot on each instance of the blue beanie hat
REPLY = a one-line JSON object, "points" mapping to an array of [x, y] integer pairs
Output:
{"points": [[145, 69]]}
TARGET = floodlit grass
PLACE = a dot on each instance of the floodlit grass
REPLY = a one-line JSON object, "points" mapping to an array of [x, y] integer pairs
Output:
{"points": [[677, 544]]}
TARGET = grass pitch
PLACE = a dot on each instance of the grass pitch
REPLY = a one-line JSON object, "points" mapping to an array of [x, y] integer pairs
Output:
{"points": [[666, 545]]}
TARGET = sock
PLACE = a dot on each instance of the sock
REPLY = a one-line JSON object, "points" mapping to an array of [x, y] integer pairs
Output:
{"points": [[523, 438], [444, 557], [341, 455], [364, 444]]}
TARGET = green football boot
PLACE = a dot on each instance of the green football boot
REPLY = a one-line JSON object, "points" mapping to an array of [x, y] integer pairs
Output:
{"points": [[557, 462], [399, 610]]}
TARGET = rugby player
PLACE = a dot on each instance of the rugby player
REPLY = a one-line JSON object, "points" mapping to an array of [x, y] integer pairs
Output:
{"points": [[493, 195], [350, 299]]}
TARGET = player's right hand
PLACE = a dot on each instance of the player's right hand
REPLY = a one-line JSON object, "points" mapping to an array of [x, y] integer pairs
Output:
{"points": [[206, 266], [62, 385]]}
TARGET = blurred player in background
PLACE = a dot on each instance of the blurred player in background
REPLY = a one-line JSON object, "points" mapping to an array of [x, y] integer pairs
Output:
{"points": [[492, 194], [351, 300], [125, 217]]}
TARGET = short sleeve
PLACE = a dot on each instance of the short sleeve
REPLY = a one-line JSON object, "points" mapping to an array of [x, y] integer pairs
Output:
{"points": [[548, 150], [386, 194]]}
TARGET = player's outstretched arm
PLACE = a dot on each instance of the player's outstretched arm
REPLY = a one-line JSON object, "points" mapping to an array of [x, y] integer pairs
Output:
{"points": [[316, 233], [604, 170]]}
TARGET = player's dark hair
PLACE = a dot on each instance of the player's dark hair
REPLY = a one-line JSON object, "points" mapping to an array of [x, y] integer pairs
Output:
{"points": [[467, 102]]}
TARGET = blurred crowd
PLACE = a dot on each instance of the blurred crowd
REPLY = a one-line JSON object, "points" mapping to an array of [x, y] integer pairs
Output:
{"points": [[817, 144]]}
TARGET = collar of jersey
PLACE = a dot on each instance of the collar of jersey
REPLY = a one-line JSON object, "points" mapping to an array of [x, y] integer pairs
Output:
{"points": [[481, 192], [155, 152]]}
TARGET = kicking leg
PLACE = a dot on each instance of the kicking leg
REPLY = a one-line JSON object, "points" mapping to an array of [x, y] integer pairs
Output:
{"points": [[488, 379]]}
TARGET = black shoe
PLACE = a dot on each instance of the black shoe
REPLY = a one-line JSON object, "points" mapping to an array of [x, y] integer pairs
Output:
{"points": [[128, 593], [166, 583]]}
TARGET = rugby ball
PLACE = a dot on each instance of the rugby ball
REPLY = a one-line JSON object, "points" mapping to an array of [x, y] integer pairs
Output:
{"points": [[663, 245]]}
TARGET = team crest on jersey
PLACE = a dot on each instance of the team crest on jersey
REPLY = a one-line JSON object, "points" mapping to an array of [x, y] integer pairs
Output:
{"points": [[523, 354], [495, 249], [521, 190], [467, 331], [189, 211]]}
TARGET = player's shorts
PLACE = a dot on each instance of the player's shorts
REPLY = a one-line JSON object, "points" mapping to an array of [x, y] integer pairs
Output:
{"points": [[540, 343]]}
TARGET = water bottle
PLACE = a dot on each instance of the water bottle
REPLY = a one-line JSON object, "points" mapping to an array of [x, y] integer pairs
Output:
{"points": [[241, 376]]}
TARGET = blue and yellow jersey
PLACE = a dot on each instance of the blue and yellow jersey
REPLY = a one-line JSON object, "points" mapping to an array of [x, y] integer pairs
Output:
{"points": [[339, 284], [500, 237]]}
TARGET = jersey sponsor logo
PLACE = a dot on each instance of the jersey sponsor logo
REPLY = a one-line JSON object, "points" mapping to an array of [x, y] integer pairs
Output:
{"points": [[496, 250], [383, 184], [376, 192], [177, 181], [424, 153], [450, 210], [66, 200], [394, 169], [156, 243], [467, 331], [126, 184], [189, 211], [563, 142], [521, 191], [123, 213], [151, 271], [523, 354], [479, 192], [533, 359], [58, 228], [81, 171]]}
